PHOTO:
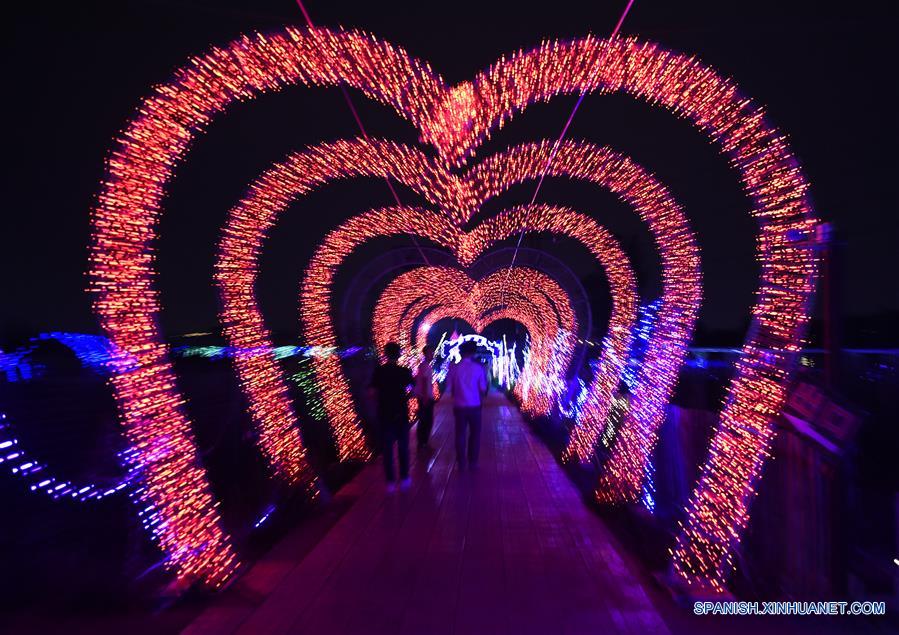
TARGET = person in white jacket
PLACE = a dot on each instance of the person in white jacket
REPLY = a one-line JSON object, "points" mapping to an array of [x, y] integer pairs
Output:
{"points": [[467, 383]]}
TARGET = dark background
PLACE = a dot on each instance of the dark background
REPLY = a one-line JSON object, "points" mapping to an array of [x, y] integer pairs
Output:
{"points": [[75, 72]]}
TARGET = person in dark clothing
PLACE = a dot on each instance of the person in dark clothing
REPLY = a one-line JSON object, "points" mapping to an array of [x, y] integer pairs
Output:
{"points": [[391, 383]]}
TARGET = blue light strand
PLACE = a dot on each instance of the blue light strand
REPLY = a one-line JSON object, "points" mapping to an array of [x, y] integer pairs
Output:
{"points": [[643, 329], [37, 475]]}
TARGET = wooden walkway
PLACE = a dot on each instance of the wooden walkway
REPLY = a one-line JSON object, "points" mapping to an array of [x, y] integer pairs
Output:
{"points": [[508, 549]]}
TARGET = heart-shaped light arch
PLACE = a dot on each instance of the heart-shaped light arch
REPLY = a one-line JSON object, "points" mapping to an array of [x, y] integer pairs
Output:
{"points": [[493, 294], [525, 294], [404, 300], [521, 309], [454, 294], [140, 166]]}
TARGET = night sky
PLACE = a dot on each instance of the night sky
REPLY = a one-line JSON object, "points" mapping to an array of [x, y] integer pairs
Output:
{"points": [[75, 73]]}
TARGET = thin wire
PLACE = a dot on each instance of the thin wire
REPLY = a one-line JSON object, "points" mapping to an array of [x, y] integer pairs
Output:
{"points": [[552, 155], [349, 103]]}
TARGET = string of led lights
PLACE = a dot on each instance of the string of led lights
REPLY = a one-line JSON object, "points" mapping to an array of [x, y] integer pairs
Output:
{"points": [[455, 121], [39, 478]]}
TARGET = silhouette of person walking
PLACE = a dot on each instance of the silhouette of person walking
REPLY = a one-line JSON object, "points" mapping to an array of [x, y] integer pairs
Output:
{"points": [[467, 382], [391, 383]]}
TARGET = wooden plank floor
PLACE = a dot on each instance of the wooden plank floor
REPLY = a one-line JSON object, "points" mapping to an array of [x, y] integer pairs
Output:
{"points": [[510, 548]]}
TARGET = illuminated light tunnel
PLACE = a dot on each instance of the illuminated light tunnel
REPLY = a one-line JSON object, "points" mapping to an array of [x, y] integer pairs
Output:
{"points": [[288, 180], [454, 121]]}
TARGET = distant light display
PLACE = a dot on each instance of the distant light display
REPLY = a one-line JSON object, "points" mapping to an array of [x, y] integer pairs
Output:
{"points": [[450, 351], [455, 120], [534, 319], [449, 348], [504, 368], [277, 352], [518, 308], [434, 293]]}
